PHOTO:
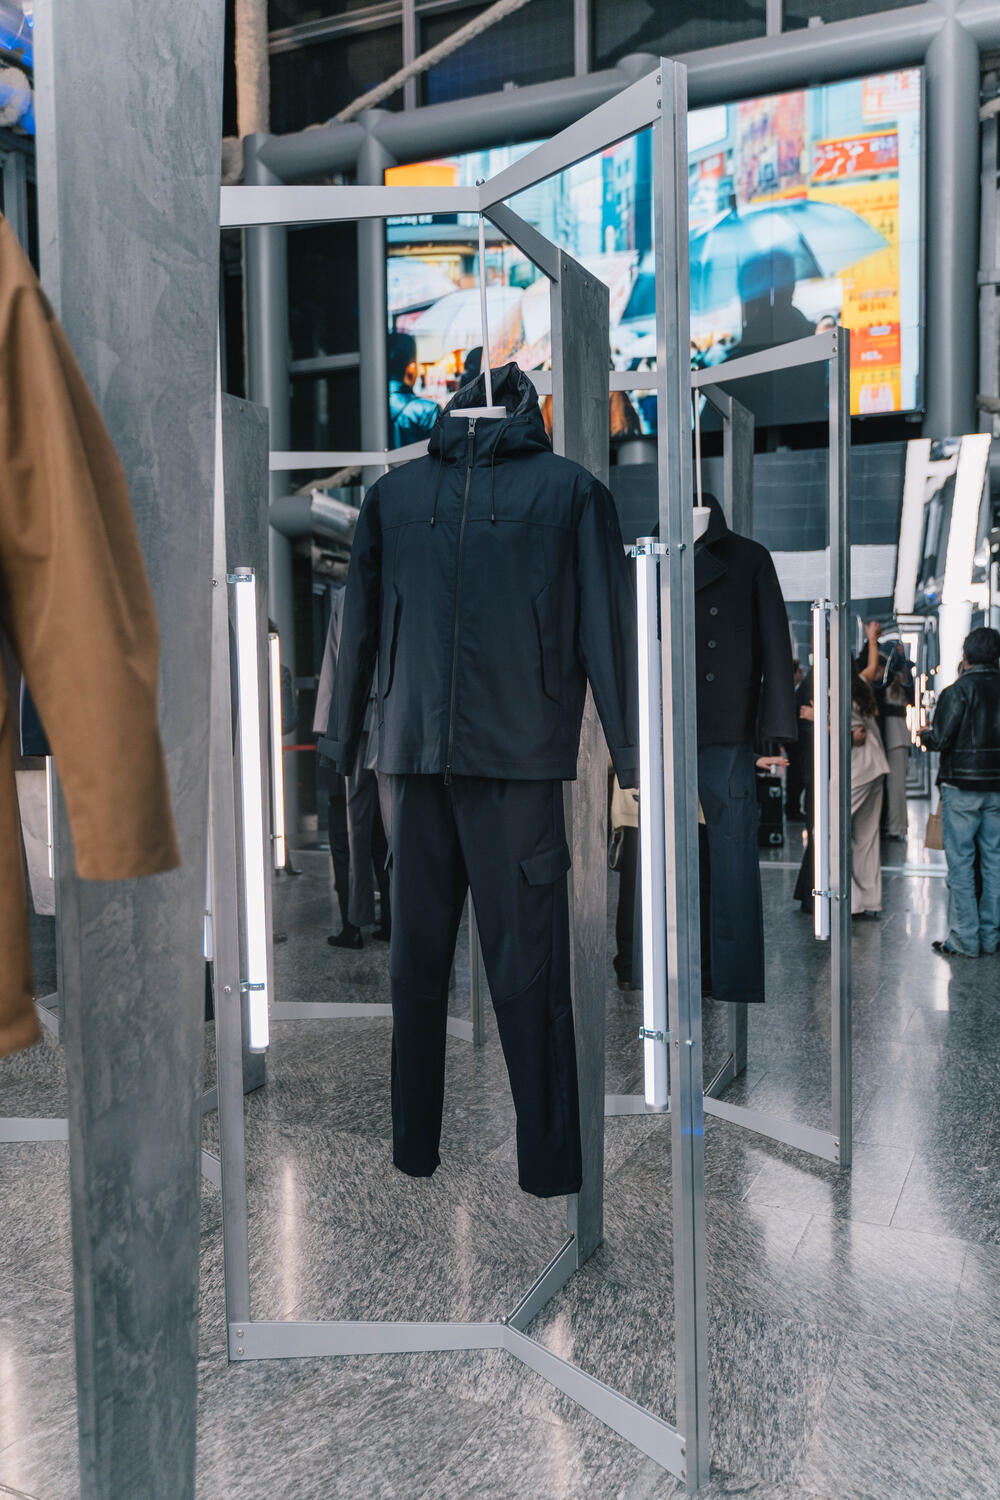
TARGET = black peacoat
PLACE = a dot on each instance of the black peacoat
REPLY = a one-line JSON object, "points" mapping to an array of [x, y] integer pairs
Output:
{"points": [[746, 681]]}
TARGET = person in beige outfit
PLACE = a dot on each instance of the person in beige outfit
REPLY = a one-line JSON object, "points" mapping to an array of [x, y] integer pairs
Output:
{"points": [[76, 607], [869, 768]]}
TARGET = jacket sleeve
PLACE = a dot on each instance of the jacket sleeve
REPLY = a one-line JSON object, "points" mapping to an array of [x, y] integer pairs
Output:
{"points": [[74, 597], [358, 641], [948, 715], [777, 719], [607, 629], [324, 688]]}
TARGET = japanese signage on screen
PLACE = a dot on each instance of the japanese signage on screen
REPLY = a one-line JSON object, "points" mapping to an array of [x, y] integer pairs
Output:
{"points": [[804, 213]]}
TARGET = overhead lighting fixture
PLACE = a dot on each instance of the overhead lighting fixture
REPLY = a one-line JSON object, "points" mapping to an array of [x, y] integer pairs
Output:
{"points": [[244, 585], [277, 772]]}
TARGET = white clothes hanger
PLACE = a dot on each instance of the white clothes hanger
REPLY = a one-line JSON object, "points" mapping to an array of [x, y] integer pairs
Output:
{"points": [[489, 411]]}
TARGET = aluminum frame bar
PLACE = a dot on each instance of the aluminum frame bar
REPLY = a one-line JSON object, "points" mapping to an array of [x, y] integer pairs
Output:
{"points": [[804, 1137], [838, 474], [821, 771], [32, 1128], [387, 458], [817, 349], [680, 766], [281, 205], [634, 109], [560, 1268], [251, 1340], [652, 848]]}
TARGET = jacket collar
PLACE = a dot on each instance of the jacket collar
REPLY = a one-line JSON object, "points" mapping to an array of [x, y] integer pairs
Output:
{"points": [[708, 566], [521, 431]]}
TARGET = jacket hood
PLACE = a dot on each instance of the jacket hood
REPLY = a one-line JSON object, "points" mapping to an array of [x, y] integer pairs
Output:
{"points": [[521, 431]]}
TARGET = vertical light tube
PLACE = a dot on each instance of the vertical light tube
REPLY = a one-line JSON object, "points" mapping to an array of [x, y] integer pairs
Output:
{"points": [[277, 766], [821, 772], [50, 817], [252, 802], [652, 832]]}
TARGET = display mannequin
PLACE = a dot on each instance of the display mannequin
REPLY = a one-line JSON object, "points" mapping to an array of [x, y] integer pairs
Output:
{"points": [[746, 696], [490, 580]]}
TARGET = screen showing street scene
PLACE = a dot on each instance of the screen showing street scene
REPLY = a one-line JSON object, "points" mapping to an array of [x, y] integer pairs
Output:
{"points": [[804, 214]]}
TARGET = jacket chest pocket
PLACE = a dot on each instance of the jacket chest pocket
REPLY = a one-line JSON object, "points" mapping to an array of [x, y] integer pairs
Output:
{"points": [[547, 626], [390, 637]]}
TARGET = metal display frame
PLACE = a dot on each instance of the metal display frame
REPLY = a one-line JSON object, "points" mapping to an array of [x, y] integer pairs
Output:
{"points": [[658, 101], [832, 799]]}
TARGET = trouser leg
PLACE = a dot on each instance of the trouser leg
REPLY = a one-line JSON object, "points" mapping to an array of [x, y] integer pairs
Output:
{"points": [[728, 793], [380, 863], [336, 818], [628, 872], [961, 813], [896, 790], [866, 853], [362, 798], [989, 852], [428, 892], [513, 839]]}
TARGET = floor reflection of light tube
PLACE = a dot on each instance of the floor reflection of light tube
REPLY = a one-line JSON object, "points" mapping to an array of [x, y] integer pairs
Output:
{"points": [[252, 801], [50, 817], [821, 772], [277, 773]]}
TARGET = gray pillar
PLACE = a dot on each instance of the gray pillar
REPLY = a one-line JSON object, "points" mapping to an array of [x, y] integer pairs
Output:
{"points": [[373, 159], [580, 431], [952, 218], [130, 257], [268, 353]]}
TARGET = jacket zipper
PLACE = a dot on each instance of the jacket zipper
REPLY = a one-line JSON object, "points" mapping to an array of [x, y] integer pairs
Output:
{"points": [[458, 599]]}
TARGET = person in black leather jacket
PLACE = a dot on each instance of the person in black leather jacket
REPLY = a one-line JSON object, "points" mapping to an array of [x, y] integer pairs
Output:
{"points": [[966, 731]]}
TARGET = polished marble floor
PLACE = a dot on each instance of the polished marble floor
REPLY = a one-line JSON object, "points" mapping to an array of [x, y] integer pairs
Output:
{"points": [[854, 1317]]}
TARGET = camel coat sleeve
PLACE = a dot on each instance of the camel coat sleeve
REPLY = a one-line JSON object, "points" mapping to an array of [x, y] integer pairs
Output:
{"points": [[76, 605]]}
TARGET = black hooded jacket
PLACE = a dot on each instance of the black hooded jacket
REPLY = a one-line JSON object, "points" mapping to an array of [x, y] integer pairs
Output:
{"points": [[490, 581], [746, 680]]}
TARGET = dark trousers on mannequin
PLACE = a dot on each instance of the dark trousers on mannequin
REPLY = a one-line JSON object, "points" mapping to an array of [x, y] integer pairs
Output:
{"points": [[628, 882], [727, 791], [506, 840]]}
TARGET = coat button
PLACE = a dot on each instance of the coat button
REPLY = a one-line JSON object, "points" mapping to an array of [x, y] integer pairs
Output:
{"points": [[709, 676], [714, 610], [711, 645]]}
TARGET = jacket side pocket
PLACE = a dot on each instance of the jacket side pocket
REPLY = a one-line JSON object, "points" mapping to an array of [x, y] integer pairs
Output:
{"points": [[547, 626], [395, 607]]}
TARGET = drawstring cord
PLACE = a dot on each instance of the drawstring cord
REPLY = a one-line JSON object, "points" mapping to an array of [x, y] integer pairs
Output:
{"points": [[437, 488], [493, 459]]}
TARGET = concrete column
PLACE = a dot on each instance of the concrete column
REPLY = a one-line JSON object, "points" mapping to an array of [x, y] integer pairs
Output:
{"points": [[952, 218], [130, 258], [373, 159], [268, 384]]}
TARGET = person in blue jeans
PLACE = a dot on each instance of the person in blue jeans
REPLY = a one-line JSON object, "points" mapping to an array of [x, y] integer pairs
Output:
{"points": [[966, 731]]}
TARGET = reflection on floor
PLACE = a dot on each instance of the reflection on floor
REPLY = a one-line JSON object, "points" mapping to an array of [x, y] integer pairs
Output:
{"points": [[855, 1317]]}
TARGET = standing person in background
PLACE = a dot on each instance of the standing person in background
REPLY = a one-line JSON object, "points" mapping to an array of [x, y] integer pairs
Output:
{"points": [[966, 731], [411, 417], [869, 769], [797, 752], [896, 694]]}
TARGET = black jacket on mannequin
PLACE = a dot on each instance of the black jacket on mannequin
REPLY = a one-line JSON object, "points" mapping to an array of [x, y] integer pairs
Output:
{"points": [[746, 680], [490, 581]]}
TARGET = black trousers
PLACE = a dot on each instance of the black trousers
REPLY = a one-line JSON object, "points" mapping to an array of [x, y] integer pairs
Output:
{"points": [[628, 880], [727, 790], [506, 840], [339, 848]]}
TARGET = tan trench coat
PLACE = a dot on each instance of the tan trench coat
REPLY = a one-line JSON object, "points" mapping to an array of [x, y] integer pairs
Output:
{"points": [[76, 606]]}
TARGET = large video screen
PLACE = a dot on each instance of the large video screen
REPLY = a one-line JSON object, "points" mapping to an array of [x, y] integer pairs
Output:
{"points": [[804, 212]]}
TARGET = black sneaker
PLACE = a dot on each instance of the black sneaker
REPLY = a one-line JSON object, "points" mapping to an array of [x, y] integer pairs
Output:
{"points": [[349, 938]]}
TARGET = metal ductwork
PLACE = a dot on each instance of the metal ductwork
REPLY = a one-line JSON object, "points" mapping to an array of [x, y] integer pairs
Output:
{"points": [[329, 517]]}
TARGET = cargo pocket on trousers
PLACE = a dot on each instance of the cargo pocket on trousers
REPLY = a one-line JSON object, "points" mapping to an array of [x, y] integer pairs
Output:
{"points": [[546, 868]]}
